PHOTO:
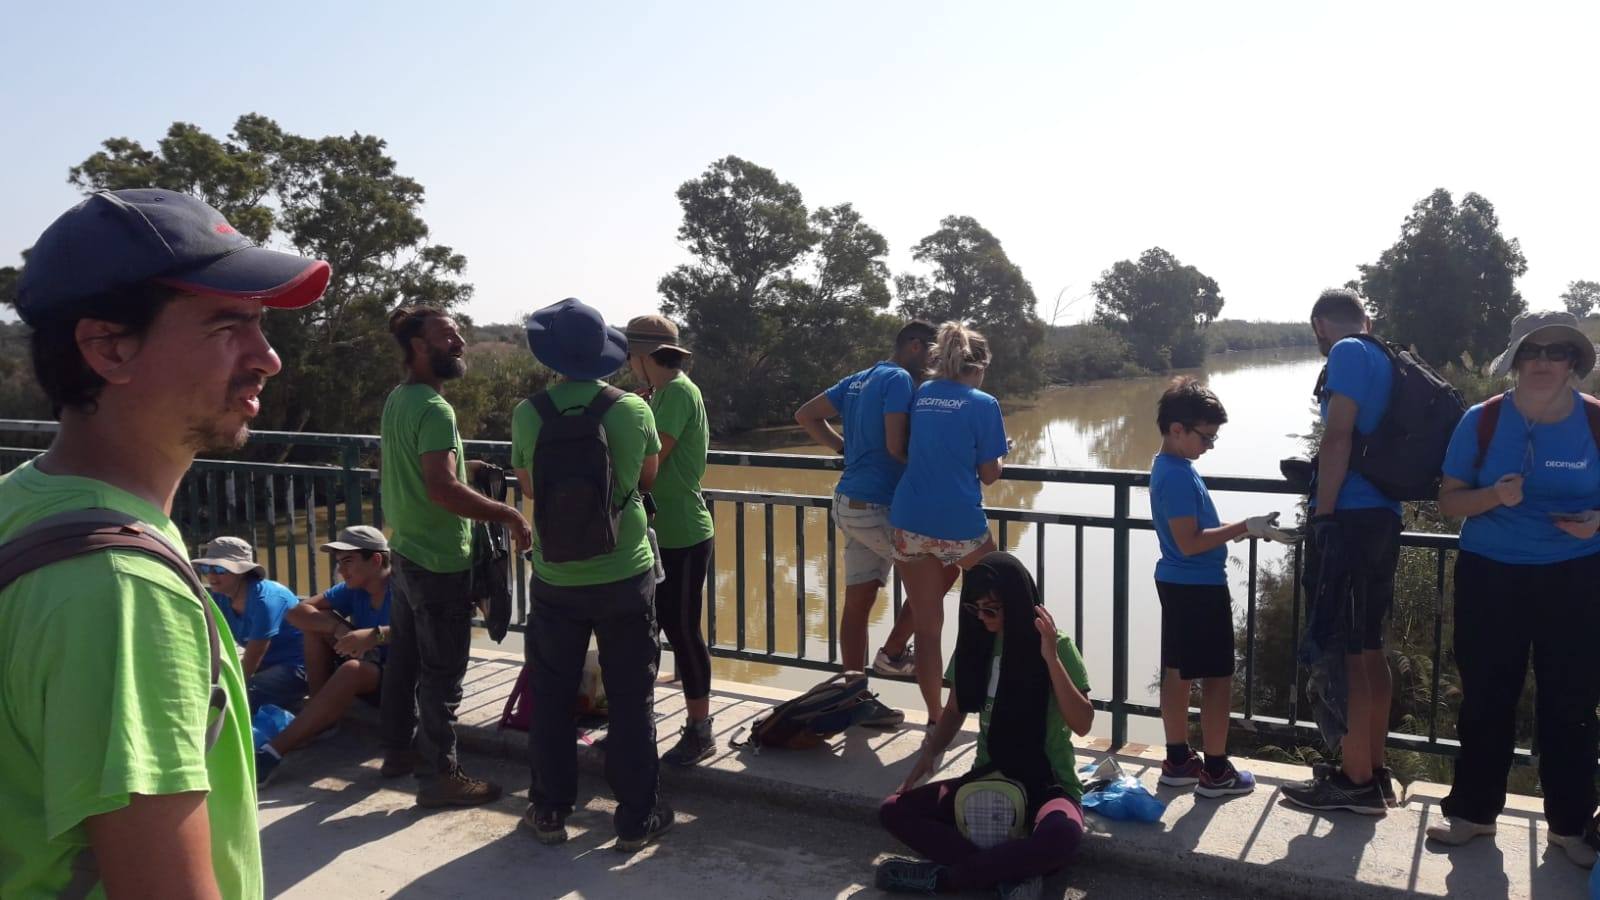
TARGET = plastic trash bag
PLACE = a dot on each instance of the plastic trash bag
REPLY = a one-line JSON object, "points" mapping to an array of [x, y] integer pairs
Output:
{"points": [[268, 722], [1111, 792]]}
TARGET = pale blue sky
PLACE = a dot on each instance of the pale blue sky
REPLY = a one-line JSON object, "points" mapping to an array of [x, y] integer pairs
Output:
{"points": [[1273, 145]]}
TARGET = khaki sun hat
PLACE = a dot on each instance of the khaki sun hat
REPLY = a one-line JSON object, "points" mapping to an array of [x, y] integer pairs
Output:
{"points": [[1553, 327], [647, 334], [231, 554], [358, 537]]}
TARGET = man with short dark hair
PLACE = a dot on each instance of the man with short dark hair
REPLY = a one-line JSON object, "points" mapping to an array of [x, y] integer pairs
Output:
{"points": [[1351, 554], [429, 508], [145, 314]]}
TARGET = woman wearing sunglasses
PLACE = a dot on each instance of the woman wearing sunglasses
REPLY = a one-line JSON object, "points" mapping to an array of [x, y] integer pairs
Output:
{"points": [[255, 608], [1030, 690], [1524, 473]]}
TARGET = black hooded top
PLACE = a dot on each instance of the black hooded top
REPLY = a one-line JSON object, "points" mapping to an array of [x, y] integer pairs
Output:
{"points": [[1022, 698]]}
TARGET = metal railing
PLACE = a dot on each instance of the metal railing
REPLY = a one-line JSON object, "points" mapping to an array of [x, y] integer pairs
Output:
{"points": [[277, 507]]}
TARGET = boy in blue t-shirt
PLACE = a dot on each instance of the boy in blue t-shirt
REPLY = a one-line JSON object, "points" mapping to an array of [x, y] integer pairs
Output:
{"points": [[1196, 609]]}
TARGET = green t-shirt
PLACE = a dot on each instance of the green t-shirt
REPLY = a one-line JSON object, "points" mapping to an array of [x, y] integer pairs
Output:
{"points": [[1058, 737], [105, 681], [631, 435], [416, 420], [682, 519]]}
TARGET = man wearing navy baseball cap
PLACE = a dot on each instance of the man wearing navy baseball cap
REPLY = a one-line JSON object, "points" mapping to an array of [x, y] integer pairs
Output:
{"points": [[145, 313]]}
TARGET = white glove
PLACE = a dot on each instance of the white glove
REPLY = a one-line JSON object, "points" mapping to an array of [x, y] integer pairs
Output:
{"points": [[1264, 527]]}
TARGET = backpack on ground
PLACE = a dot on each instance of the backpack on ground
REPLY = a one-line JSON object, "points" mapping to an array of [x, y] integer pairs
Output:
{"points": [[1489, 417], [812, 717], [491, 557], [573, 480], [1404, 456], [518, 711]]}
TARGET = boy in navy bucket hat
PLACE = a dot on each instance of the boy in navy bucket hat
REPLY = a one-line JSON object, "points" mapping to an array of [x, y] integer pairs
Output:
{"points": [[593, 572], [145, 314]]}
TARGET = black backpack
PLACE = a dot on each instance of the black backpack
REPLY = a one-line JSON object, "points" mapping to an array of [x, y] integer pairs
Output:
{"points": [[1404, 456], [811, 718], [573, 480], [491, 557]]}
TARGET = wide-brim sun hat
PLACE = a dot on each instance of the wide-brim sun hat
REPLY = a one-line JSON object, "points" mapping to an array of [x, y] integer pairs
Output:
{"points": [[1554, 327], [231, 554], [647, 334], [573, 339]]}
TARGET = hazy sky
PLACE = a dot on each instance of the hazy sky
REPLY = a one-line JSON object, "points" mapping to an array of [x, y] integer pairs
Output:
{"points": [[1273, 145]]}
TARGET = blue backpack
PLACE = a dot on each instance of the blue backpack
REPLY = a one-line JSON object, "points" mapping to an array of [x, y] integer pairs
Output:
{"points": [[812, 717]]}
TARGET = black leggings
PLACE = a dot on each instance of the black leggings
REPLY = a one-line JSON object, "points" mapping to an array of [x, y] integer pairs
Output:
{"points": [[678, 602]]}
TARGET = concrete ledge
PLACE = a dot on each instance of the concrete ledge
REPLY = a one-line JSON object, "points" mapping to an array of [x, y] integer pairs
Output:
{"points": [[1256, 843]]}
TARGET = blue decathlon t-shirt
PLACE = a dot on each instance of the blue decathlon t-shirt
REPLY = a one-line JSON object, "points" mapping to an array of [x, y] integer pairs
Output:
{"points": [[1361, 371], [1560, 474], [954, 428], [263, 619], [1177, 492], [863, 399], [355, 604]]}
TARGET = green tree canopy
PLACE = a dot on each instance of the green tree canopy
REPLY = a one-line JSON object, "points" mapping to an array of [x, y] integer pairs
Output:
{"points": [[1448, 285], [1160, 306], [972, 280], [1580, 297]]}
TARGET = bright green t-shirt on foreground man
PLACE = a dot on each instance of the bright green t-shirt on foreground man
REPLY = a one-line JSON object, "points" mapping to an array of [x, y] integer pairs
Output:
{"points": [[147, 348]]}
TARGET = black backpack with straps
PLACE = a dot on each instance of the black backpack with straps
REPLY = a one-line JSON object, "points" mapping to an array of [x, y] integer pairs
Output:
{"points": [[574, 481]]}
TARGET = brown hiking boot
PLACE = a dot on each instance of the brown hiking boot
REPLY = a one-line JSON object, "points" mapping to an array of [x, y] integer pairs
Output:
{"points": [[457, 789], [398, 763]]}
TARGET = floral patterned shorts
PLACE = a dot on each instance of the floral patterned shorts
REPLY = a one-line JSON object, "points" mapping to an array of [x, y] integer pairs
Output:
{"points": [[908, 545]]}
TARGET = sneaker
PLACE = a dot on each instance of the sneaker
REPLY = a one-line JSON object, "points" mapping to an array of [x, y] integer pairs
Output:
{"points": [[1383, 775], [1337, 792], [457, 789], [904, 665], [881, 716], [1576, 848], [1183, 774], [1455, 831], [659, 823], [398, 763], [266, 766], [907, 876], [1230, 783], [1032, 889], [694, 744], [547, 827]]}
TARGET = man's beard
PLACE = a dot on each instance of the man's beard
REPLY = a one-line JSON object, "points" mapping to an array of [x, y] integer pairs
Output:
{"points": [[217, 434], [445, 366]]}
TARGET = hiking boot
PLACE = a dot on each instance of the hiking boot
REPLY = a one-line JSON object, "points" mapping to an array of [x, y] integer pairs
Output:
{"points": [[1031, 889], [903, 666], [694, 744], [1183, 774], [398, 763], [1383, 775], [1231, 782], [1455, 831], [659, 823], [907, 876], [548, 827], [1576, 849], [1337, 792], [266, 765], [881, 716], [457, 789]]}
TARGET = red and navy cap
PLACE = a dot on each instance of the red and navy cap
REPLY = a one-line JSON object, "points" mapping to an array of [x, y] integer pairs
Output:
{"points": [[117, 239]]}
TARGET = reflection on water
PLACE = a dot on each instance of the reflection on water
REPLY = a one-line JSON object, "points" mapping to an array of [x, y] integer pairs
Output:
{"points": [[1106, 425]]}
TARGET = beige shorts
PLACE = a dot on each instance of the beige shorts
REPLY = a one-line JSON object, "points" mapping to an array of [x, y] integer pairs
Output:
{"points": [[908, 545], [868, 540]]}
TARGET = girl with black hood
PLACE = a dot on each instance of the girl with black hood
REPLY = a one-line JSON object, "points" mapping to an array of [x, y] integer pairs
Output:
{"points": [[1029, 687]]}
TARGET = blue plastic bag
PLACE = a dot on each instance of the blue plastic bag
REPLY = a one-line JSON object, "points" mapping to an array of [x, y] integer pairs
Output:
{"points": [[268, 722], [1116, 795]]}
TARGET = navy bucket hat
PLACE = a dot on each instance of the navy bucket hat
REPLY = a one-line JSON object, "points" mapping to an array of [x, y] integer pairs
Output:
{"points": [[117, 239], [573, 339]]}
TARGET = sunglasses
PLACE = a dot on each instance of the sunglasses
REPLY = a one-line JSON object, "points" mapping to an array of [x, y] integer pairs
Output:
{"points": [[984, 612], [206, 569], [1527, 352]]}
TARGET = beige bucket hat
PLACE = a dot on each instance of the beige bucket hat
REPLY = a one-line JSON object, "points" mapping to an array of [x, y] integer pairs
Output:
{"points": [[1553, 327], [231, 554]]}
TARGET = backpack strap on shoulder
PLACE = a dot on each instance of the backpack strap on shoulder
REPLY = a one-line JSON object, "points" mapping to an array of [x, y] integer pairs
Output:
{"points": [[1591, 408], [603, 401], [1489, 417], [543, 405], [80, 532]]}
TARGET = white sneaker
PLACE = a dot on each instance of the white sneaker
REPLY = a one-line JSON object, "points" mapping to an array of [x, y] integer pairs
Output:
{"points": [[1577, 850], [1456, 832], [904, 665]]}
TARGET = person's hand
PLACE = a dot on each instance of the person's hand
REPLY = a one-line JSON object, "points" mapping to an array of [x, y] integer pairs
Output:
{"points": [[920, 770], [1045, 624], [1261, 526], [521, 534], [1582, 528], [1508, 490], [355, 644]]}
